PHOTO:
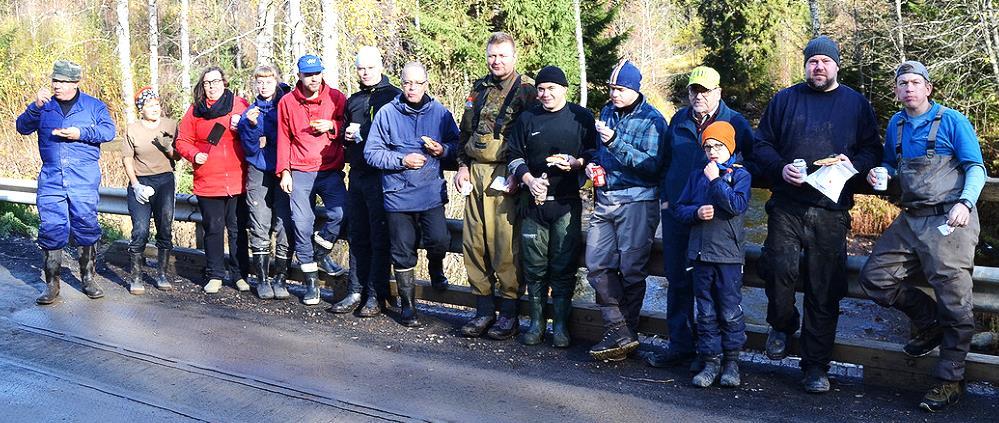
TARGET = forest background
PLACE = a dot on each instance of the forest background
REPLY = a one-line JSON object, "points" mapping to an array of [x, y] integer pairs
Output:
{"points": [[755, 45]]}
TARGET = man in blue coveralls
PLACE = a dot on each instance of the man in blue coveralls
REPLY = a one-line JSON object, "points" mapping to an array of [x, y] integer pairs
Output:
{"points": [[71, 127]]}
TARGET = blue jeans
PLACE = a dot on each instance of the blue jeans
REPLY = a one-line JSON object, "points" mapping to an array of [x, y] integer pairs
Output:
{"points": [[160, 206], [721, 325], [329, 186], [680, 294], [369, 236]]}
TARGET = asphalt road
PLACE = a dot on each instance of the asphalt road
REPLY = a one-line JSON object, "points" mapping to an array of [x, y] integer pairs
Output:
{"points": [[184, 355]]}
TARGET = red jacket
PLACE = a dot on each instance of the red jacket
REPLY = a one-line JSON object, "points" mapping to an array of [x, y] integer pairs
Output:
{"points": [[224, 174], [298, 146]]}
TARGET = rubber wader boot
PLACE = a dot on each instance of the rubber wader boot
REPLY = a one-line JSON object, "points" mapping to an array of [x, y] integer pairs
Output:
{"points": [[535, 333], [162, 261], [407, 294], [261, 265], [438, 281], [53, 265], [280, 275], [88, 255], [311, 296], [562, 308], [135, 277]]}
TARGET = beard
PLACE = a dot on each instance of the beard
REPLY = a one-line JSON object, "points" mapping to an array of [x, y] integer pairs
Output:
{"points": [[829, 82]]}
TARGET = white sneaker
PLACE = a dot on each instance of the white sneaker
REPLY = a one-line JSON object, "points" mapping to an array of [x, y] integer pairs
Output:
{"points": [[213, 286], [241, 285]]}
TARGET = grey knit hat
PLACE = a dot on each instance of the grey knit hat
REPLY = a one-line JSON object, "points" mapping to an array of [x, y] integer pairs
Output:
{"points": [[822, 45]]}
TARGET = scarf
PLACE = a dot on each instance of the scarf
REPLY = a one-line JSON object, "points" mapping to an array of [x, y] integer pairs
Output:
{"points": [[221, 107]]}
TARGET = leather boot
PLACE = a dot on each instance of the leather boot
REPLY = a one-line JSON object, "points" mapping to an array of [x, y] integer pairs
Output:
{"points": [[435, 266], [135, 277], [348, 304], [53, 265], [562, 308], [371, 308], [508, 324], [406, 285], [617, 343], [535, 333], [162, 261], [280, 274], [88, 255], [261, 265], [730, 370], [321, 255], [710, 373], [311, 296]]}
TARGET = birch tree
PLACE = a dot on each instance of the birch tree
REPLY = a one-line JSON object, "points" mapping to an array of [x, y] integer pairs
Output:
{"points": [[296, 30], [581, 53], [125, 59], [154, 47], [331, 41], [813, 11], [185, 47], [265, 32]]}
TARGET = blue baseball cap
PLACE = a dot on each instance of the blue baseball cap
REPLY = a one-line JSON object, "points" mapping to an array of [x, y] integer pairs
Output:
{"points": [[310, 63]]}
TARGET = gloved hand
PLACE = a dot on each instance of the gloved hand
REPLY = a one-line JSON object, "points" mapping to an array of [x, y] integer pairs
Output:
{"points": [[143, 193]]}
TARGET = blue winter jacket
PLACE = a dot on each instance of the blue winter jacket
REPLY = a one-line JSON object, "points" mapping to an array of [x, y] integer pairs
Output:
{"points": [[686, 153], [60, 155], [264, 159], [721, 239], [633, 158], [395, 132]]}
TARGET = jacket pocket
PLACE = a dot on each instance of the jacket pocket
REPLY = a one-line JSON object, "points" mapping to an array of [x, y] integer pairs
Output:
{"points": [[393, 182]]}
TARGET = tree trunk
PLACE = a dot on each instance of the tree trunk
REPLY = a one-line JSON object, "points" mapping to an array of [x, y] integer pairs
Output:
{"points": [[125, 59], [154, 47], [331, 41], [900, 30], [813, 10], [265, 32], [185, 47], [582, 55], [296, 29], [990, 27]]}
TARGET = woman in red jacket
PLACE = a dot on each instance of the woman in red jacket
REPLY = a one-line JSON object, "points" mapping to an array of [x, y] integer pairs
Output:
{"points": [[207, 138]]}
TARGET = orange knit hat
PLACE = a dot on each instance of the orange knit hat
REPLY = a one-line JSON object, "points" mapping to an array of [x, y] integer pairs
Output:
{"points": [[722, 132]]}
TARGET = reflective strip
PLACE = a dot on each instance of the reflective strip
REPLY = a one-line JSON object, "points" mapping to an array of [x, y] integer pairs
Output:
{"points": [[322, 242], [310, 267]]}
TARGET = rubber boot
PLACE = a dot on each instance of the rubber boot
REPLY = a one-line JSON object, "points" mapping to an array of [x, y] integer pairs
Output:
{"points": [[261, 264], [311, 296], [53, 265], [562, 308], [435, 266], [135, 278], [710, 373], [407, 294], [535, 333], [280, 276], [88, 255], [162, 261], [321, 255], [730, 370]]}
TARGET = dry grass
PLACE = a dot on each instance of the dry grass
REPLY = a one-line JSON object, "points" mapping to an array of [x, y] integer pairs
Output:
{"points": [[872, 215]]}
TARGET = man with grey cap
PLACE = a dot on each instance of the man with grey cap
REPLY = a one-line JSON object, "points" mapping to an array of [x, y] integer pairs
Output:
{"points": [[812, 120], [934, 155], [71, 127]]}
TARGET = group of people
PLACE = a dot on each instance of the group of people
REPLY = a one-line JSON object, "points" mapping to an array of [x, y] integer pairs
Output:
{"points": [[522, 153]]}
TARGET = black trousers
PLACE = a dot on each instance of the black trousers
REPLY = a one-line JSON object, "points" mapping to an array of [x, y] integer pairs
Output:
{"points": [[429, 226], [821, 234], [219, 218]]}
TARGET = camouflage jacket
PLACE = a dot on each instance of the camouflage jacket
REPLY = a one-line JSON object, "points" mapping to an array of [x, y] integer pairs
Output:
{"points": [[481, 138]]}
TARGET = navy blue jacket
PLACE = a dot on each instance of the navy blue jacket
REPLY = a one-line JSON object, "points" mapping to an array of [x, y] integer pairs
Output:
{"points": [[721, 239], [264, 159], [395, 132], [686, 153]]}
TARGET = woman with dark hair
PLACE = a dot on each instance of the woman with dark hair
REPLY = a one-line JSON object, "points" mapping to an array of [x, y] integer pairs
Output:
{"points": [[207, 138], [148, 158]]}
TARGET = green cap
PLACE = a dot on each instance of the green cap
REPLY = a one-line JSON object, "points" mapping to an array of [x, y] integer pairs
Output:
{"points": [[705, 77], [64, 70]]}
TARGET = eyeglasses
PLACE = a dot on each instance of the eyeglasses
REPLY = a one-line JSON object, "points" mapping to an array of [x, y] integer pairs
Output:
{"points": [[413, 83], [714, 147], [694, 92], [213, 82]]}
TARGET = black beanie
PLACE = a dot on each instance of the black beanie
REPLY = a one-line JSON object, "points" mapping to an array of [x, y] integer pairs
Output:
{"points": [[551, 74], [822, 45]]}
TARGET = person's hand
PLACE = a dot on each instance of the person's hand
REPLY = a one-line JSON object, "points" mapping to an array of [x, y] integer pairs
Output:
{"points": [[842, 158], [568, 163], [433, 147], [322, 125], [958, 216], [711, 171], [350, 134], [263, 142], [142, 192], [252, 115], [233, 121], [605, 132], [538, 186], [71, 133], [706, 212], [872, 177], [286, 182], [512, 187], [200, 158], [43, 96], [792, 176], [414, 161], [461, 178]]}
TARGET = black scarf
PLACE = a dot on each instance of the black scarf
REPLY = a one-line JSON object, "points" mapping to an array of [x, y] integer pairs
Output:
{"points": [[222, 107]]}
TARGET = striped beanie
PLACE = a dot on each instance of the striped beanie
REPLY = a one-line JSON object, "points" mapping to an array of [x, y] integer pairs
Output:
{"points": [[625, 74], [145, 93]]}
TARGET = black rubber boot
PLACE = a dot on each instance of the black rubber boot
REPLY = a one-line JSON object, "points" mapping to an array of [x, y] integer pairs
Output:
{"points": [[371, 308], [311, 296], [162, 261], [53, 265], [280, 274], [435, 266], [709, 374], [562, 309], [88, 255], [322, 257], [261, 265], [535, 333], [485, 316], [730, 370], [406, 286], [616, 344], [135, 277]]}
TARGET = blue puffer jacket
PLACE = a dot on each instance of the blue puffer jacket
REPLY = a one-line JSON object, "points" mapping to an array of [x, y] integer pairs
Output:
{"points": [[721, 239], [263, 159], [634, 158], [395, 132]]}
